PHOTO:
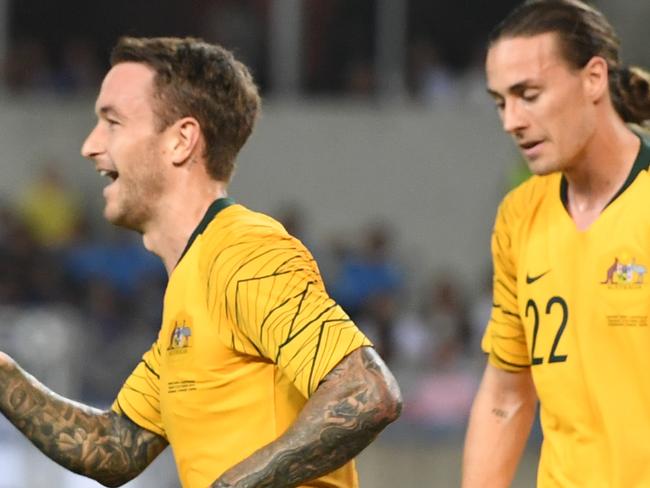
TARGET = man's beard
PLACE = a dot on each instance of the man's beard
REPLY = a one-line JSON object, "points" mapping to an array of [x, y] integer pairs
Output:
{"points": [[136, 207]]}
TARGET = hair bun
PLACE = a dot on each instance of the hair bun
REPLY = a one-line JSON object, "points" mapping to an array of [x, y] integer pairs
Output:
{"points": [[634, 84]]}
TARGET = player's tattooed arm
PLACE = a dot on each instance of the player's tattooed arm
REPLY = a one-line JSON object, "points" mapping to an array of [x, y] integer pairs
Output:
{"points": [[101, 445], [355, 401]]}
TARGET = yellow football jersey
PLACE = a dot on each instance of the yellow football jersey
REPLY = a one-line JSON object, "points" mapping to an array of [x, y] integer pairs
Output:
{"points": [[573, 306], [248, 333]]}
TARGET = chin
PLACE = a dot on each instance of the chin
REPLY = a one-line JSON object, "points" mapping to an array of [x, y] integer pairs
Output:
{"points": [[112, 211], [542, 168], [111, 216], [121, 219]]}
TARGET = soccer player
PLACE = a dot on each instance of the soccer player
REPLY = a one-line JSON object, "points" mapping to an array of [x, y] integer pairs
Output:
{"points": [[257, 378], [571, 248]]}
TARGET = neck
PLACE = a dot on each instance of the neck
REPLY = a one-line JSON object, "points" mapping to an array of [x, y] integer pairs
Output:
{"points": [[178, 216], [600, 171]]}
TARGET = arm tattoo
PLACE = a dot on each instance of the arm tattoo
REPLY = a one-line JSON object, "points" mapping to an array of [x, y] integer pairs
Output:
{"points": [[355, 401], [500, 413], [102, 445]]}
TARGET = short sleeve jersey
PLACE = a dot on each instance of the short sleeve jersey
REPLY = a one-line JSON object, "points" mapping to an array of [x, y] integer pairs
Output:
{"points": [[573, 307], [248, 333]]}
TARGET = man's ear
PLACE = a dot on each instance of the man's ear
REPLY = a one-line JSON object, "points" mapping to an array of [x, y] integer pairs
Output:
{"points": [[596, 78], [185, 134]]}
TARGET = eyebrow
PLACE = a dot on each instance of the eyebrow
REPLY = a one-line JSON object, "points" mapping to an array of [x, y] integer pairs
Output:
{"points": [[107, 110]]}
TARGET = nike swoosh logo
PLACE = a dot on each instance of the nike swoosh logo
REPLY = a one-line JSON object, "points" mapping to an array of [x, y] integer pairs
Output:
{"points": [[533, 279]]}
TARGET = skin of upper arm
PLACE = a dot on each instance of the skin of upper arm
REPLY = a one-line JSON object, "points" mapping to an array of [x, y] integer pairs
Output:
{"points": [[502, 394], [499, 425], [507, 388]]}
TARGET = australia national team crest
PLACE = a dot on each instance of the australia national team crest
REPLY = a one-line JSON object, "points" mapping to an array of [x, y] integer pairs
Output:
{"points": [[180, 340], [624, 272]]}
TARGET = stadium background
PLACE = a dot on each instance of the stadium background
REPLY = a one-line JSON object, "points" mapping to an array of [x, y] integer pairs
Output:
{"points": [[378, 147]]}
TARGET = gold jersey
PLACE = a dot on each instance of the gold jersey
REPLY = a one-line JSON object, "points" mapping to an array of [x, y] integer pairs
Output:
{"points": [[248, 333], [573, 307]]}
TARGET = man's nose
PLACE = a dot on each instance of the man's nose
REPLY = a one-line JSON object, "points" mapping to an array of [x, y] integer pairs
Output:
{"points": [[93, 145], [513, 118]]}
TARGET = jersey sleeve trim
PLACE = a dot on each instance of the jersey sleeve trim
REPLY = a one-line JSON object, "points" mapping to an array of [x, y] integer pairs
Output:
{"points": [[124, 408], [499, 362]]}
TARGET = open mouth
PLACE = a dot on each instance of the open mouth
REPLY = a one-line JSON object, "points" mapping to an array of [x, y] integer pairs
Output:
{"points": [[529, 145], [111, 175]]}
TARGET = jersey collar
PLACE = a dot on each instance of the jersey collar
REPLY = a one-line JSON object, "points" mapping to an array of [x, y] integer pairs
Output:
{"points": [[215, 207], [641, 163]]}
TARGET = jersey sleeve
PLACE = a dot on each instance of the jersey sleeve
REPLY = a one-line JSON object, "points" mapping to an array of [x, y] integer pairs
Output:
{"points": [[276, 299], [504, 339], [139, 397]]}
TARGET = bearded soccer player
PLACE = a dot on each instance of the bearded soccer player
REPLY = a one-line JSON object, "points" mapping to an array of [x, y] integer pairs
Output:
{"points": [[257, 378], [571, 250]]}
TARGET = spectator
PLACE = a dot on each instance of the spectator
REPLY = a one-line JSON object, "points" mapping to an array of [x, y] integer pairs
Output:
{"points": [[49, 209], [79, 70], [444, 316], [368, 274], [430, 80]]}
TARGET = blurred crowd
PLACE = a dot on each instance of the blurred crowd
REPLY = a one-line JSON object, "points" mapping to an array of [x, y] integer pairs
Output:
{"points": [[102, 291], [88, 298], [83, 300], [428, 331], [339, 45]]}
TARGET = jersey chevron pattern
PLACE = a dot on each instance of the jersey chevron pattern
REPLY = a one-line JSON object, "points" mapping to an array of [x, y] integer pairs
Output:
{"points": [[573, 307], [248, 333]]}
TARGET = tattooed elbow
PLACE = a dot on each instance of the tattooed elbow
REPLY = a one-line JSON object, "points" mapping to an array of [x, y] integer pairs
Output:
{"points": [[398, 404], [383, 389], [391, 402], [110, 484], [113, 482], [118, 476]]}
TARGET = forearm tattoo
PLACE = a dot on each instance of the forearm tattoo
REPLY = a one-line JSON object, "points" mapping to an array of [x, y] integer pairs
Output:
{"points": [[357, 399], [102, 445]]}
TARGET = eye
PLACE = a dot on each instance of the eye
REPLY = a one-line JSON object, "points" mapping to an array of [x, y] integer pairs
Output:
{"points": [[499, 102], [112, 123], [530, 95]]}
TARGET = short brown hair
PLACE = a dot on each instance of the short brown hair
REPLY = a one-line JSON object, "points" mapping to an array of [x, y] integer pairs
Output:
{"points": [[204, 81], [583, 33]]}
